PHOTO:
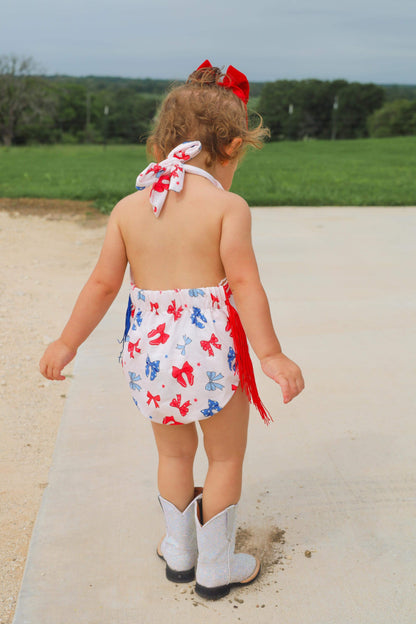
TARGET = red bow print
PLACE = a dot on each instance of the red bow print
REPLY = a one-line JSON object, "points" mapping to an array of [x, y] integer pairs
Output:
{"points": [[234, 80], [151, 398], [178, 373], [182, 155], [134, 348], [206, 344], [163, 336], [162, 183], [215, 299], [175, 311], [169, 420], [154, 306], [156, 168], [183, 409]]}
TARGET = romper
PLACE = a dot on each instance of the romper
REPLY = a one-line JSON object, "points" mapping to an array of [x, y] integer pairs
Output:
{"points": [[184, 350]]}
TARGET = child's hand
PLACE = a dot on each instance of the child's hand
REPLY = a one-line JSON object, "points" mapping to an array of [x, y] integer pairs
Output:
{"points": [[286, 373], [55, 358]]}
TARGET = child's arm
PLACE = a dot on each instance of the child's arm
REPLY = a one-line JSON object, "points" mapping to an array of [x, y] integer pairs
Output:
{"points": [[93, 302], [242, 273]]}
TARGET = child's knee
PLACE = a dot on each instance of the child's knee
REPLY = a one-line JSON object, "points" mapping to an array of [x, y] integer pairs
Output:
{"points": [[176, 442], [225, 454], [184, 450]]}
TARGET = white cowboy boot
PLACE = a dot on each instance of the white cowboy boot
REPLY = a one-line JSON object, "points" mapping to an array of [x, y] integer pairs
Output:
{"points": [[219, 568], [179, 548]]}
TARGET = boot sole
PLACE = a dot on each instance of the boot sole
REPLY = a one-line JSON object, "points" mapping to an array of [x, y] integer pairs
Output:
{"points": [[176, 576], [214, 593]]}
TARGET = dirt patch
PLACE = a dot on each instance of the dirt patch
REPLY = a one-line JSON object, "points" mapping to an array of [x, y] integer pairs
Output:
{"points": [[264, 542], [53, 209]]}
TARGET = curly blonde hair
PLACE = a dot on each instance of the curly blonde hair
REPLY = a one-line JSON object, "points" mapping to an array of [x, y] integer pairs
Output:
{"points": [[203, 110]]}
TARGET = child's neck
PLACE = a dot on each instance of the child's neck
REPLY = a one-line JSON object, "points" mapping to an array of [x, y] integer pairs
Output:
{"points": [[223, 172]]}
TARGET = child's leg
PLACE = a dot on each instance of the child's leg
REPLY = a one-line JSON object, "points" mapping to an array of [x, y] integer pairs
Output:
{"points": [[225, 439], [177, 447]]}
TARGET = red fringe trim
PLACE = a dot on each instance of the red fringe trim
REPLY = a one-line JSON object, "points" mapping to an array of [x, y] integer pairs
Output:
{"points": [[244, 365]]}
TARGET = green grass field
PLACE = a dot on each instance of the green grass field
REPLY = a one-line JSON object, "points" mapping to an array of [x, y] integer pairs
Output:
{"points": [[367, 172]]}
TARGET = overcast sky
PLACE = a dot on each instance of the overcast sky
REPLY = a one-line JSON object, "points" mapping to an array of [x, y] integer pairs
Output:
{"points": [[362, 40]]}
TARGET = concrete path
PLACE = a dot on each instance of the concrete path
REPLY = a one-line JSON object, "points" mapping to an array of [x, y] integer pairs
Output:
{"points": [[333, 478]]}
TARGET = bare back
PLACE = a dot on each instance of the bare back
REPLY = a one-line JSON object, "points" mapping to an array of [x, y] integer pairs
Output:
{"points": [[180, 248]]}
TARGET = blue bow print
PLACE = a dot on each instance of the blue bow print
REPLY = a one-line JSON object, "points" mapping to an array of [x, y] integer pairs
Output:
{"points": [[212, 384], [183, 347], [152, 367], [212, 406], [231, 359], [137, 319], [197, 314], [133, 381], [194, 292]]}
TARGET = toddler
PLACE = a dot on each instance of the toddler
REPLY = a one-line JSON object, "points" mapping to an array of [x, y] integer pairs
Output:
{"points": [[195, 295]]}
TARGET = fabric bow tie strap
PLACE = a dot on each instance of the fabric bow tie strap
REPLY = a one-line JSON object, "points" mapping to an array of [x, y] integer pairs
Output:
{"points": [[168, 175]]}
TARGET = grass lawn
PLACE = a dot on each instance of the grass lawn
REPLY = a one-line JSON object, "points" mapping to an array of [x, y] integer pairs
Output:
{"points": [[365, 172]]}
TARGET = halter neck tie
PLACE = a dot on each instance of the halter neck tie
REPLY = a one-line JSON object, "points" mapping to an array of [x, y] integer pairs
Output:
{"points": [[168, 175]]}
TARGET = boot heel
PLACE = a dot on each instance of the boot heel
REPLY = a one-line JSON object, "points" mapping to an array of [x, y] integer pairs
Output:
{"points": [[212, 593], [177, 576], [186, 576]]}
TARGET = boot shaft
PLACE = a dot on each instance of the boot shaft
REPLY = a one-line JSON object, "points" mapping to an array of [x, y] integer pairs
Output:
{"points": [[218, 566], [179, 546], [216, 538]]}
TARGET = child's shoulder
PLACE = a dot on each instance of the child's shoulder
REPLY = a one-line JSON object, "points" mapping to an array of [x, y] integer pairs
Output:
{"points": [[132, 200], [230, 206], [236, 202], [130, 203], [236, 207]]}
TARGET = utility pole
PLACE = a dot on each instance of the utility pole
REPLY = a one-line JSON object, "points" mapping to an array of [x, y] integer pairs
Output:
{"points": [[88, 117], [334, 118], [106, 111], [289, 129]]}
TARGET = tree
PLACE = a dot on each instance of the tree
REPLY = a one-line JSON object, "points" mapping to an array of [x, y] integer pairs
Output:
{"points": [[296, 109], [130, 115], [25, 97], [275, 105], [397, 118], [318, 109], [71, 108], [356, 102], [400, 92]]}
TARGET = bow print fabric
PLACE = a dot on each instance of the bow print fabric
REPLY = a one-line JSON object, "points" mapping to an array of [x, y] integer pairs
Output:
{"points": [[176, 360], [168, 175]]}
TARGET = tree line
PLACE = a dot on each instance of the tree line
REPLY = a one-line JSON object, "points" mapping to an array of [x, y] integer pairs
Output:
{"points": [[299, 109], [35, 108]]}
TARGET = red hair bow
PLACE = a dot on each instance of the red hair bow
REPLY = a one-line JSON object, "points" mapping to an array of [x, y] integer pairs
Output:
{"points": [[234, 80]]}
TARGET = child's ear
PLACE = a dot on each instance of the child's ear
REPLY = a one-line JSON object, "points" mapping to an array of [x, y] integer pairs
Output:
{"points": [[156, 153], [233, 147]]}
